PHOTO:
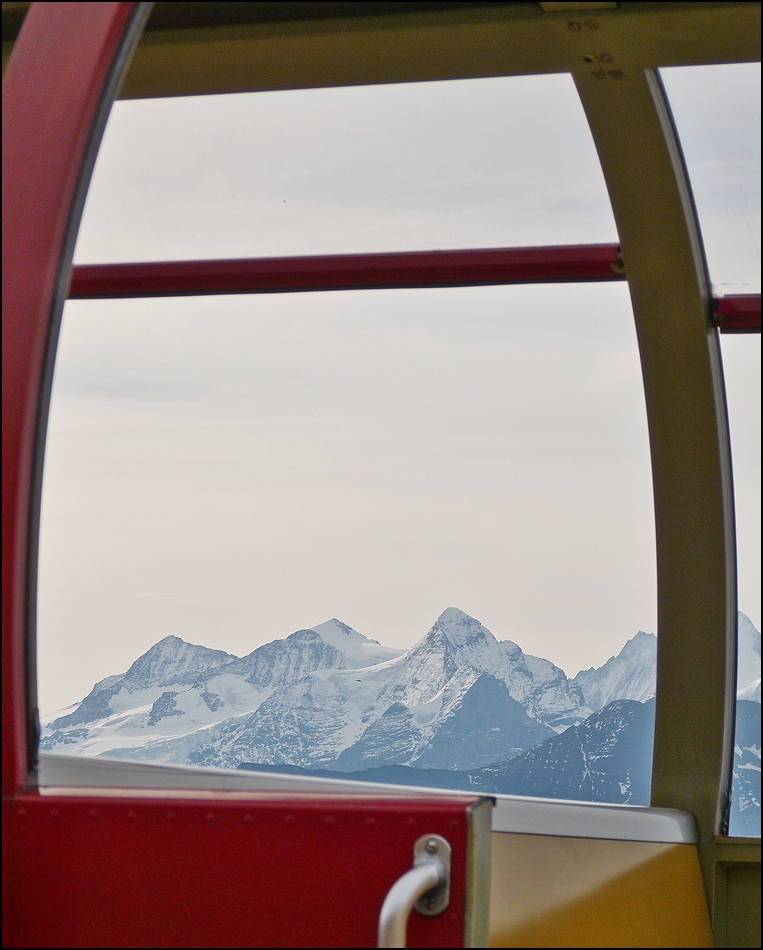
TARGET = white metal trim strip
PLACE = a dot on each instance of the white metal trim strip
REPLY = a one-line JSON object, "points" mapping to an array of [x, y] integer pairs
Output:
{"points": [[512, 814]]}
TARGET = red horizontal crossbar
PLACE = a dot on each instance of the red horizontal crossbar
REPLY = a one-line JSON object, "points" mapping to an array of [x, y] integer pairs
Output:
{"points": [[738, 313], [517, 265]]}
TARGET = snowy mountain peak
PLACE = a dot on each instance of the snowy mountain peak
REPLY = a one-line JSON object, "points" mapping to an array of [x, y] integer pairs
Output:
{"points": [[460, 629], [453, 615], [172, 661], [641, 643], [629, 675], [357, 651], [454, 619], [455, 641]]}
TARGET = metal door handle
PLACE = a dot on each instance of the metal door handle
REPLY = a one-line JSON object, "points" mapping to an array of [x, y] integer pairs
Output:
{"points": [[426, 886]]}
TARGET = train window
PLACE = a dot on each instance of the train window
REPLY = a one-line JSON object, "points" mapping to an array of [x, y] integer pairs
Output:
{"points": [[741, 361], [235, 485], [499, 162], [717, 114]]}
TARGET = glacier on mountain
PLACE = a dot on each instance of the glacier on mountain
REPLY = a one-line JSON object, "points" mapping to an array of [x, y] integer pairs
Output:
{"points": [[326, 696], [329, 698]]}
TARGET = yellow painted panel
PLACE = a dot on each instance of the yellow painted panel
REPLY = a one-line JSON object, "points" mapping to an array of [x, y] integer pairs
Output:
{"points": [[575, 892]]}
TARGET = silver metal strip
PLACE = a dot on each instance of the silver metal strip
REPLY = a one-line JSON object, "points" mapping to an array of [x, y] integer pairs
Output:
{"points": [[60, 775], [539, 816]]}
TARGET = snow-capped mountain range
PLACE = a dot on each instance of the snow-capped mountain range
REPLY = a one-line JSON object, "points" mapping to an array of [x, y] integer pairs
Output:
{"points": [[629, 675], [330, 698]]}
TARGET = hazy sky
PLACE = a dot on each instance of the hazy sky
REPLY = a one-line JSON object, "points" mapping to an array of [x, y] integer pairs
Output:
{"points": [[232, 469]]}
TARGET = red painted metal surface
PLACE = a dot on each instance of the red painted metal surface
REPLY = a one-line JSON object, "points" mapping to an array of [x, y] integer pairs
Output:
{"points": [[739, 313], [52, 90], [204, 872], [517, 265]]}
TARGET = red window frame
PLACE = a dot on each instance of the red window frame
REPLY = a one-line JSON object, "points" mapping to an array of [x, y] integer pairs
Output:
{"points": [[462, 268]]}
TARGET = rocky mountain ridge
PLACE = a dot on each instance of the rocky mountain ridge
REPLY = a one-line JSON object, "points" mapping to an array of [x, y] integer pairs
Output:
{"points": [[328, 697]]}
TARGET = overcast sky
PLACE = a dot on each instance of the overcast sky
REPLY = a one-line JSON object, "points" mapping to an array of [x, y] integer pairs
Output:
{"points": [[232, 469]]}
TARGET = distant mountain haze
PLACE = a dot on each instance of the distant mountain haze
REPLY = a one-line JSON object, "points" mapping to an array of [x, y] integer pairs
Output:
{"points": [[459, 704], [320, 697]]}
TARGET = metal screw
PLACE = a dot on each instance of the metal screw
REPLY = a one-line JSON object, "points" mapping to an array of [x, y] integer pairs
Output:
{"points": [[588, 59], [606, 58], [574, 26], [431, 846], [591, 25]]}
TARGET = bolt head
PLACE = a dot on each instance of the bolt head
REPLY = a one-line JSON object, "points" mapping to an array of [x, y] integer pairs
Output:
{"points": [[431, 846]]}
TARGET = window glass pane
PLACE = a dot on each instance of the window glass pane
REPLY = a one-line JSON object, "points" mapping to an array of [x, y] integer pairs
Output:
{"points": [[460, 474], [741, 365], [717, 113], [475, 163]]}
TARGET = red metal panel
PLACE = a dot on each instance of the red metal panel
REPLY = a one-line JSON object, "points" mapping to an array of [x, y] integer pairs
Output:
{"points": [[738, 313], [196, 871], [516, 265], [52, 90]]}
